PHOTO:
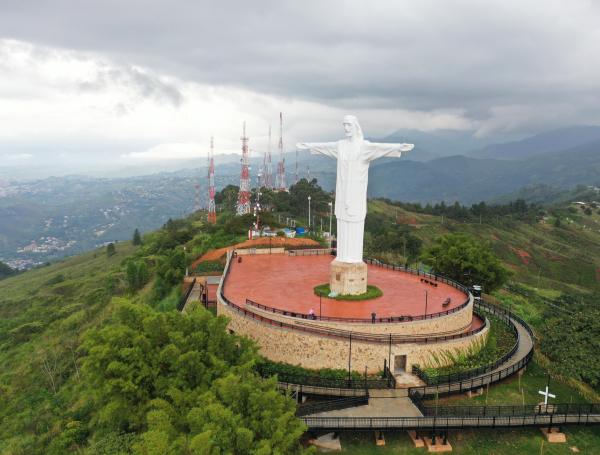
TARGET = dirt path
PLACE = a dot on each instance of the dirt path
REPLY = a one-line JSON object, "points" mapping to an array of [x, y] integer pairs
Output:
{"points": [[215, 255]]}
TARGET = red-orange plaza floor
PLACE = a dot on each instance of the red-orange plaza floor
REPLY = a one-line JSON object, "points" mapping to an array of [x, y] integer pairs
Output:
{"points": [[287, 282]]}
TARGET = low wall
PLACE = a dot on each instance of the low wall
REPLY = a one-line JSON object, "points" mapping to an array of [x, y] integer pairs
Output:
{"points": [[263, 250], [449, 324], [315, 351]]}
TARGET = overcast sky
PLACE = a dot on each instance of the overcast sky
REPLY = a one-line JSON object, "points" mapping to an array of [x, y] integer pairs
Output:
{"points": [[137, 81]]}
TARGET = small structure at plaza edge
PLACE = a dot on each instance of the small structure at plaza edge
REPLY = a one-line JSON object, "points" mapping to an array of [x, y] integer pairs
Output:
{"points": [[418, 320]]}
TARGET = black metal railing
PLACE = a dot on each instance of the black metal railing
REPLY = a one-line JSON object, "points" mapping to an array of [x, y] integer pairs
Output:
{"points": [[432, 276], [389, 376], [511, 410], [356, 336], [449, 423], [186, 295], [310, 252], [504, 316], [386, 381], [475, 382], [332, 405], [387, 320]]}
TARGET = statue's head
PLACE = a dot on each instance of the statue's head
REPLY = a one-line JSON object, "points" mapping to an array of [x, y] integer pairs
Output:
{"points": [[352, 128]]}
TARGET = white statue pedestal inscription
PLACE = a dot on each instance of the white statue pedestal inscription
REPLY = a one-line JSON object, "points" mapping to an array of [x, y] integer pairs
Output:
{"points": [[353, 155]]}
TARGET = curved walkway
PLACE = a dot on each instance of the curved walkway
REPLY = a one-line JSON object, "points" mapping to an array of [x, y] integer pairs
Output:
{"points": [[398, 411], [516, 362], [448, 423]]}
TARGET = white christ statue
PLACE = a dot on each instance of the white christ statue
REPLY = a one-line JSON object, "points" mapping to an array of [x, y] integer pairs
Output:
{"points": [[353, 156]]}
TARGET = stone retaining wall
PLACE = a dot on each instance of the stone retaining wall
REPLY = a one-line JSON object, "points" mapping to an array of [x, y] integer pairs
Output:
{"points": [[316, 351], [449, 324]]}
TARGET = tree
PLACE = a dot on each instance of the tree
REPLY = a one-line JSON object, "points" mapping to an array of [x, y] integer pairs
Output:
{"points": [[110, 249], [580, 324], [6, 271], [466, 260], [137, 238], [185, 384], [137, 274], [227, 197]]}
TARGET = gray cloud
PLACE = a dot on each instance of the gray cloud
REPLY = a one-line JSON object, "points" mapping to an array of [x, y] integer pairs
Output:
{"points": [[144, 84], [493, 60]]}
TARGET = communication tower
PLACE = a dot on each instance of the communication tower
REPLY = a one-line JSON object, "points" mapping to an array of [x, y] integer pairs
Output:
{"points": [[281, 186], [212, 213], [243, 204]]}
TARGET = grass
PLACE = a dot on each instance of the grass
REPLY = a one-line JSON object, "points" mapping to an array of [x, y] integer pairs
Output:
{"points": [[500, 341], [516, 391], [481, 442], [372, 293], [43, 313]]}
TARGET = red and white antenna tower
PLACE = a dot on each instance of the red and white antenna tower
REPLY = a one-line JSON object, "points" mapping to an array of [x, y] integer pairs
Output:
{"points": [[243, 204], [212, 213], [268, 170], [281, 186]]}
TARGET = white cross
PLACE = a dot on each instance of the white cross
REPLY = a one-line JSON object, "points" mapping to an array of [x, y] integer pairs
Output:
{"points": [[546, 394]]}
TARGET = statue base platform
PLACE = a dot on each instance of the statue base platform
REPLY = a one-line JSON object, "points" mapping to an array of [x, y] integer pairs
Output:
{"points": [[348, 278]]}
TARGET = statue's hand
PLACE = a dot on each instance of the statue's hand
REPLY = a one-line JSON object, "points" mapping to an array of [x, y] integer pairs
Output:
{"points": [[301, 146], [406, 147]]}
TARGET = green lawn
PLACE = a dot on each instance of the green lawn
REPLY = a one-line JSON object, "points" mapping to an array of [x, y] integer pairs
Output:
{"points": [[482, 442], [514, 390]]}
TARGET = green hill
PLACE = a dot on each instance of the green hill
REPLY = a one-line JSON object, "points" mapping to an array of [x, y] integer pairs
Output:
{"points": [[61, 328], [43, 314]]}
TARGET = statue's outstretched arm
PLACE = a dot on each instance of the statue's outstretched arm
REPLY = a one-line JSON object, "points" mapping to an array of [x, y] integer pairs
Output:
{"points": [[324, 148], [378, 150]]}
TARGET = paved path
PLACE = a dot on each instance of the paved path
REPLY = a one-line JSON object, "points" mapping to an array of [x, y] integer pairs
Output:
{"points": [[513, 364], [194, 295], [444, 423], [382, 403]]}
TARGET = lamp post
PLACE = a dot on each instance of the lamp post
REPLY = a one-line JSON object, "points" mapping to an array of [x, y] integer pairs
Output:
{"points": [[308, 211], [185, 256], [320, 306], [330, 216]]}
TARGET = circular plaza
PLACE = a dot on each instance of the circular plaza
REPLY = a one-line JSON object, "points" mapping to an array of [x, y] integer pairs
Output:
{"points": [[420, 318]]}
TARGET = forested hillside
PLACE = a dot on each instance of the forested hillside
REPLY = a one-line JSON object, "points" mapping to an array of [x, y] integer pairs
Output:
{"points": [[95, 359], [553, 253]]}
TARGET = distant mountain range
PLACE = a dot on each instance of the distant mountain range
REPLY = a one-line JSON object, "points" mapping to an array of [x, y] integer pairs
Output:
{"points": [[547, 142], [57, 216], [469, 180]]}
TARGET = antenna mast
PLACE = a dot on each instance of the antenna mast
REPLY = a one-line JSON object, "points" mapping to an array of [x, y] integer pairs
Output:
{"points": [[243, 205], [281, 186], [268, 170], [212, 213]]}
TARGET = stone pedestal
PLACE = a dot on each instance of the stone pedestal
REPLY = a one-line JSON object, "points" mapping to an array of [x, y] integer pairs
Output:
{"points": [[348, 277], [554, 435], [379, 438], [416, 440], [437, 445], [329, 442]]}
